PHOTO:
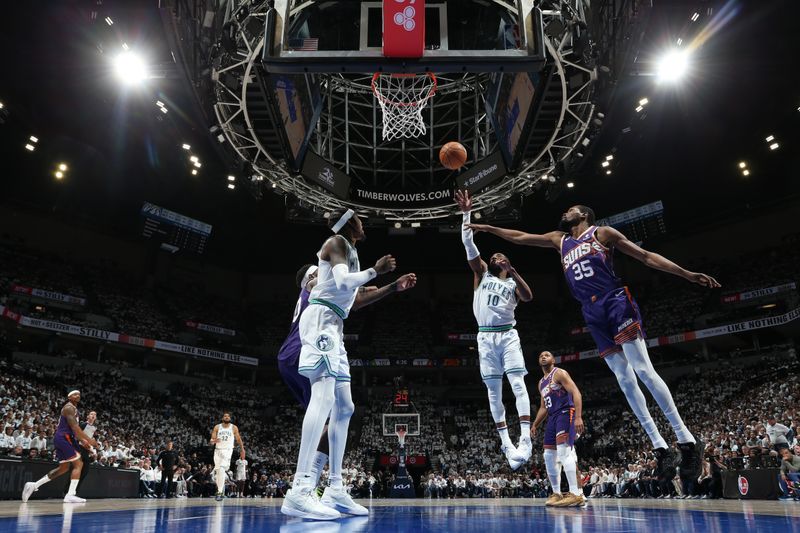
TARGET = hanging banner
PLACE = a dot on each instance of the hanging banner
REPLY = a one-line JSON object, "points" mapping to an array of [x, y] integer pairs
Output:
{"points": [[717, 331], [403, 28], [758, 293], [219, 330], [110, 336], [48, 295]]}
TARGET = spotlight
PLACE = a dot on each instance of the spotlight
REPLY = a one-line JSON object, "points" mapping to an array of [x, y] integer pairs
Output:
{"points": [[109, 21], [769, 139], [194, 172], [745, 172], [774, 146], [163, 110], [695, 16], [30, 147], [672, 66], [194, 158], [125, 47], [2, 106], [608, 172], [742, 164], [644, 101], [197, 164], [680, 41], [159, 103], [604, 164], [570, 185], [231, 186], [326, 215], [231, 178], [478, 216], [609, 157], [62, 167], [130, 68], [639, 109], [398, 225], [59, 175], [186, 146], [415, 224], [36, 139]]}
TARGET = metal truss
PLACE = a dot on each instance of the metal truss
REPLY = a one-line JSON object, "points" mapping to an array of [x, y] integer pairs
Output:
{"points": [[341, 140]]}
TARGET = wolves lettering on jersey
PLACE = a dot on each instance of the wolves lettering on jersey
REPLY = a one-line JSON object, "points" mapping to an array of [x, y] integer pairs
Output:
{"points": [[588, 266], [556, 398], [225, 437], [494, 301]]}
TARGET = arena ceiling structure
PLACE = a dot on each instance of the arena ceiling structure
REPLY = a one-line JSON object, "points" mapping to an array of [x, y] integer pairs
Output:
{"points": [[287, 87]]}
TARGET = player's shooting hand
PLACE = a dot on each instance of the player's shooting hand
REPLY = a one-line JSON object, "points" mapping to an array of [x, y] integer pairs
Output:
{"points": [[505, 265], [464, 201], [405, 282], [385, 264], [579, 425], [477, 228], [704, 279]]}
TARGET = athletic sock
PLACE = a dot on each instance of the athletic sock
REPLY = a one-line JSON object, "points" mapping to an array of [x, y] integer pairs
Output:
{"points": [[639, 359], [318, 465], [567, 458], [42, 481], [626, 378], [553, 472], [73, 487], [504, 438]]}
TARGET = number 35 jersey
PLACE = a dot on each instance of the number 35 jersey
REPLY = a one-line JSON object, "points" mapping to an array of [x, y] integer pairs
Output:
{"points": [[494, 302], [588, 266]]}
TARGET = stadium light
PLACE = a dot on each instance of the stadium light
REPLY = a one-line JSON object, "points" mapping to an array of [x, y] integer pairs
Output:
{"points": [[194, 158], [398, 225], [109, 21], [695, 16], [186, 146], [59, 175], [130, 68], [609, 157], [608, 172], [604, 164], [672, 66], [231, 186], [570, 185], [30, 147], [774, 146], [742, 164], [2, 106], [125, 47], [415, 224], [231, 178], [194, 172], [644, 102], [769, 139], [745, 172], [639, 109], [478, 216], [33, 139], [62, 167], [197, 164]]}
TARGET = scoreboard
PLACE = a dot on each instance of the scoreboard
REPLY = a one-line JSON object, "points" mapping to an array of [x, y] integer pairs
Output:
{"points": [[174, 231], [639, 224]]}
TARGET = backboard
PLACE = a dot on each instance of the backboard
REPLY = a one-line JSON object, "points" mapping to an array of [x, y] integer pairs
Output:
{"points": [[391, 421]]}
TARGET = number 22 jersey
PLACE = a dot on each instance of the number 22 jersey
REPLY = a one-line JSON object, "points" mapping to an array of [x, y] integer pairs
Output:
{"points": [[588, 266]]}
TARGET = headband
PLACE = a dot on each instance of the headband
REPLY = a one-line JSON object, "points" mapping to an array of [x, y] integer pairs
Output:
{"points": [[76, 391], [343, 220], [307, 275]]}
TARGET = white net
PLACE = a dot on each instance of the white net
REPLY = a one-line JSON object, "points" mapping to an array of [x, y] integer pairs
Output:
{"points": [[401, 430], [402, 98]]}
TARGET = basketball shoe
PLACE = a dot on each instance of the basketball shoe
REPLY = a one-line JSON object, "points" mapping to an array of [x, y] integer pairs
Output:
{"points": [[515, 459], [571, 500], [554, 499], [337, 498], [301, 502], [691, 458]]}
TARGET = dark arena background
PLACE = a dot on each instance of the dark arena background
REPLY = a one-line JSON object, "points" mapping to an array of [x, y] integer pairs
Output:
{"points": [[169, 165]]}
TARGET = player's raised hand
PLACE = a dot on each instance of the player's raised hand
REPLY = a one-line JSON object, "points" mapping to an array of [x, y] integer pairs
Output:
{"points": [[241, 455], [464, 201], [704, 279], [405, 282], [385, 264]]}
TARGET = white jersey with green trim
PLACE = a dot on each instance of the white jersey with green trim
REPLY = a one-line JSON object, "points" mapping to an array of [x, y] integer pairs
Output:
{"points": [[494, 301], [224, 437], [326, 291]]}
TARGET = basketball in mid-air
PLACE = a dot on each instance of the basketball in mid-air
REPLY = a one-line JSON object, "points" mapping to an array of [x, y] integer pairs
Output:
{"points": [[453, 155]]}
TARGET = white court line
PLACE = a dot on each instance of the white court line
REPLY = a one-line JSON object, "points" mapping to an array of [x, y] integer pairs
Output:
{"points": [[619, 517], [189, 518]]}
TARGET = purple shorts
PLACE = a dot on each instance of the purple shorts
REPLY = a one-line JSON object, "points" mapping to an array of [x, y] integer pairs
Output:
{"points": [[613, 319], [559, 423], [299, 385], [66, 449]]}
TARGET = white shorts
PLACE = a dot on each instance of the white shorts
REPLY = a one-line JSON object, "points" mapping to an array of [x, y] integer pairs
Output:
{"points": [[500, 353], [241, 476], [323, 353], [222, 458]]}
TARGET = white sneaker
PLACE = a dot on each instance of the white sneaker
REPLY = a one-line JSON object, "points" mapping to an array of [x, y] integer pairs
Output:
{"points": [[525, 448], [302, 503], [29, 489], [515, 460], [70, 498], [337, 498]]}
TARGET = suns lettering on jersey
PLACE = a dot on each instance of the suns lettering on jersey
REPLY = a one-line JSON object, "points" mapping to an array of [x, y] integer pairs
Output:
{"points": [[581, 251]]}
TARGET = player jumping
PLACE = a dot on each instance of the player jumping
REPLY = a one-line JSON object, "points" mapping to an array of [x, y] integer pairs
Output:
{"points": [[497, 289], [562, 405], [222, 436], [613, 319], [68, 434], [323, 361]]}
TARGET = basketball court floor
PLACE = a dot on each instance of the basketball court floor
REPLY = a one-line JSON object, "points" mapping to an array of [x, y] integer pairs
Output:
{"points": [[507, 516]]}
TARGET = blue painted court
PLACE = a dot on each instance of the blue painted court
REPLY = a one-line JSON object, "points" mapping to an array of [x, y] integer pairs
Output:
{"points": [[502, 516]]}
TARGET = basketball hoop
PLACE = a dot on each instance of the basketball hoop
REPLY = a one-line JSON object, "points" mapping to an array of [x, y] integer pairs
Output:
{"points": [[402, 98], [401, 430]]}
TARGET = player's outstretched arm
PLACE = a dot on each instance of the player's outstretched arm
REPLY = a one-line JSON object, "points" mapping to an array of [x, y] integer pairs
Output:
{"points": [[541, 414], [547, 240], [367, 297], [477, 264], [334, 251], [565, 380], [239, 441], [610, 236]]}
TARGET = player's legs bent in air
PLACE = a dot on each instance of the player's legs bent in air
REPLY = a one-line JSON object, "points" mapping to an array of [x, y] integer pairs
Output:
{"points": [[499, 354], [615, 324], [559, 452]]}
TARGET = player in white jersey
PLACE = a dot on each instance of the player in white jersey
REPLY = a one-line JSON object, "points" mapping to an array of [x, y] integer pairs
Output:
{"points": [[497, 289], [223, 437], [323, 360]]}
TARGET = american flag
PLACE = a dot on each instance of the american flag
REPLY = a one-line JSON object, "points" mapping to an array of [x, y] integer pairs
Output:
{"points": [[304, 45]]}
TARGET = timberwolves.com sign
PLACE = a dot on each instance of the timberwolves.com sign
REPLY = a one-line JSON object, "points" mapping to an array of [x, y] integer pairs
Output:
{"points": [[404, 197]]}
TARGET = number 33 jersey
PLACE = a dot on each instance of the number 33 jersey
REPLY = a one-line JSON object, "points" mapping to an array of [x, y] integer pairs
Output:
{"points": [[588, 266], [494, 302]]}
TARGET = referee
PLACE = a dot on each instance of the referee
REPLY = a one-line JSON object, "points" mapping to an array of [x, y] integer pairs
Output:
{"points": [[87, 453]]}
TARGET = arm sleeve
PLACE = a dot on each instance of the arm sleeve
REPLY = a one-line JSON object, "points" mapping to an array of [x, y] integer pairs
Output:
{"points": [[346, 280], [466, 238]]}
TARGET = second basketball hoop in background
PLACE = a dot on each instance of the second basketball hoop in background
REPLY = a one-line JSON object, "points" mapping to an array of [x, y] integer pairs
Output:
{"points": [[453, 155]]}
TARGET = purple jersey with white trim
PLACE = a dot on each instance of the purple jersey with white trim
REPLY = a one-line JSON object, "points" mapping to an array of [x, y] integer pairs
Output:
{"points": [[63, 427], [556, 397], [291, 346], [588, 266]]}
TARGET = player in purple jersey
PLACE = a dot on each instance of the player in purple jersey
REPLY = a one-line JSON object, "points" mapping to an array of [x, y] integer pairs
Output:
{"points": [[68, 435], [562, 406], [613, 319]]}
